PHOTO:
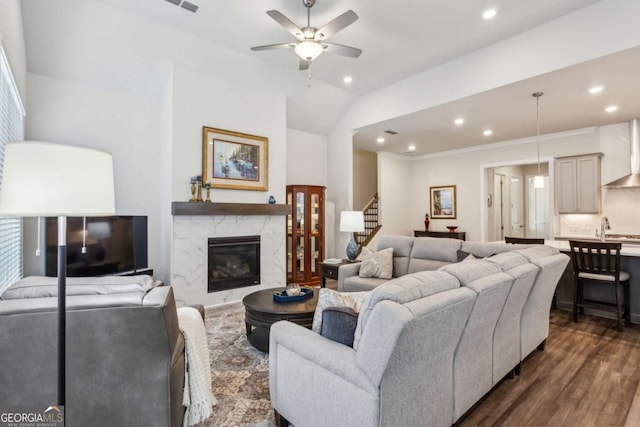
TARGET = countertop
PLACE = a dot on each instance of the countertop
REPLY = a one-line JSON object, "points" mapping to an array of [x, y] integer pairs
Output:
{"points": [[629, 248]]}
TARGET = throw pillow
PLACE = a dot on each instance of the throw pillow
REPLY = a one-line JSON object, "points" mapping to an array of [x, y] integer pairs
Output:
{"points": [[330, 298], [464, 256], [339, 324], [376, 264]]}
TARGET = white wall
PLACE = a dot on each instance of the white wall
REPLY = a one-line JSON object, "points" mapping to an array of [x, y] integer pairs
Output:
{"points": [[200, 99], [12, 41], [127, 126], [365, 177], [395, 197], [306, 158], [465, 169]]}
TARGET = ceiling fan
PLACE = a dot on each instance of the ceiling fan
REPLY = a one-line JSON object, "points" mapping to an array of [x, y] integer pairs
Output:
{"points": [[311, 41]]}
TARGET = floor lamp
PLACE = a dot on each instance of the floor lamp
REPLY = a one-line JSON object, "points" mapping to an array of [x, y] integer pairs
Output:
{"points": [[44, 179]]}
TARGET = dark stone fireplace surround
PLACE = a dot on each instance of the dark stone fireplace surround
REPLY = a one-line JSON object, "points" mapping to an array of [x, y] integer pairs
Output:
{"points": [[233, 262]]}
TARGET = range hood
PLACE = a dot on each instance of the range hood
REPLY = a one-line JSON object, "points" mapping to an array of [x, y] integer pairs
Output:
{"points": [[633, 179]]}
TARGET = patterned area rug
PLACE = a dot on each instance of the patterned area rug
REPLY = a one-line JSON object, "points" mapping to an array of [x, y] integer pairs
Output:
{"points": [[239, 372]]}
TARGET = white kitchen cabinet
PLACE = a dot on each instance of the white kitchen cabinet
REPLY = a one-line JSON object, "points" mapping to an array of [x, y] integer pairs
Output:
{"points": [[577, 184]]}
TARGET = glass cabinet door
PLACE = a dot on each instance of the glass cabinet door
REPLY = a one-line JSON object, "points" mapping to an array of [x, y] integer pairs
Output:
{"points": [[305, 234]]}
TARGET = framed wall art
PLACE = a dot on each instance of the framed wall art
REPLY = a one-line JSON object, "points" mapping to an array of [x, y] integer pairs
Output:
{"points": [[234, 160], [443, 202]]}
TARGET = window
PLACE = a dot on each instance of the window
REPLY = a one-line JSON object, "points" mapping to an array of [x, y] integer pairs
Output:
{"points": [[11, 129]]}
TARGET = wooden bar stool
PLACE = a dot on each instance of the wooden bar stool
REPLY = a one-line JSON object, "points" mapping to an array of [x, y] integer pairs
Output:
{"points": [[599, 263]]}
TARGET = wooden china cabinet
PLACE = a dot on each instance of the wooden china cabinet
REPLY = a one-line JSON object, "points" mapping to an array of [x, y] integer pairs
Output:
{"points": [[305, 234]]}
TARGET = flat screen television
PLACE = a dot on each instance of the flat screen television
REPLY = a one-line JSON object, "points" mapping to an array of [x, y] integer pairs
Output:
{"points": [[114, 245]]}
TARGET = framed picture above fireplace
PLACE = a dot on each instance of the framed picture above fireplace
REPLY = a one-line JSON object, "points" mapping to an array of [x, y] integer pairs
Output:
{"points": [[234, 160]]}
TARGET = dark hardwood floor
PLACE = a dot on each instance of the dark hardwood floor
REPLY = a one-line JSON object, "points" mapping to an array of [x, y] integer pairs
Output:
{"points": [[588, 375]]}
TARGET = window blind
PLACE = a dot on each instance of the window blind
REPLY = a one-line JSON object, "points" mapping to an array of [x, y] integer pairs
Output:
{"points": [[11, 129]]}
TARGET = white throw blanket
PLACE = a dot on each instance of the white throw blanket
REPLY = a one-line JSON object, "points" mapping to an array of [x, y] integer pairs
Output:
{"points": [[197, 396]]}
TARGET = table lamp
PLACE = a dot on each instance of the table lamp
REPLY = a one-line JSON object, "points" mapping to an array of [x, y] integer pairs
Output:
{"points": [[45, 179], [352, 222]]}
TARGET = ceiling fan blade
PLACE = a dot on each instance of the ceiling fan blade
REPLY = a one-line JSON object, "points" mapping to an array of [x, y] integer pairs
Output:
{"points": [[274, 46], [286, 23], [304, 64], [338, 24], [343, 50]]}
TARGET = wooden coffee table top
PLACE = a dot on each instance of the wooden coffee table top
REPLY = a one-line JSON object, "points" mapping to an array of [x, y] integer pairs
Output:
{"points": [[262, 302]]}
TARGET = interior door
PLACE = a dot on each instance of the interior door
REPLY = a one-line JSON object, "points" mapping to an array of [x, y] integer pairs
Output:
{"points": [[538, 223], [498, 207], [516, 195]]}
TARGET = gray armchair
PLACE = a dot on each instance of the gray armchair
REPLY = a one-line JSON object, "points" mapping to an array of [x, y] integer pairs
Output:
{"points": [[125, 357]]}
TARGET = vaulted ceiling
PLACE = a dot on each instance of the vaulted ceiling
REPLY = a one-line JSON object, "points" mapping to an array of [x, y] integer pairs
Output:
{"points": [[399, 39]]}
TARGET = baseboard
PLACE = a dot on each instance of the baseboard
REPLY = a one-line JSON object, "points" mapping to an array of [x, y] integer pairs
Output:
{"points": [[568, 306]]}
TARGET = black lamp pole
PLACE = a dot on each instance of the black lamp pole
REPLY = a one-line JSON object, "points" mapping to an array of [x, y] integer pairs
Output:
{"points": [[62, 306]]}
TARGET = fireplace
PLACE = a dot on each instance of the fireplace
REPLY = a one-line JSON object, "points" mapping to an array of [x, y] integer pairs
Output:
{"points": [[234, 262]]}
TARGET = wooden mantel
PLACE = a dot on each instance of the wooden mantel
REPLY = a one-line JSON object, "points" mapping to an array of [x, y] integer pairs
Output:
{"points": [[189, 208]]}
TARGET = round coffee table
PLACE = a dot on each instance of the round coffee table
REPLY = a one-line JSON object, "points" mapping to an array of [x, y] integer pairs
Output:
{"points": [[261, 311]]}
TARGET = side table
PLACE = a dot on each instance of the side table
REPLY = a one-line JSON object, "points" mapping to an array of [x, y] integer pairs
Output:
{"points": [[330, 270]]}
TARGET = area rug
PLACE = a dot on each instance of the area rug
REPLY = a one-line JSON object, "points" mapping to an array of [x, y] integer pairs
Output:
{"points": [[239, 372]]}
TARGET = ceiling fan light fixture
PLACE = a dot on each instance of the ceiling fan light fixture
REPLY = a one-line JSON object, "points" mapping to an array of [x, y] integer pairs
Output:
{"points": [[308, 50]]}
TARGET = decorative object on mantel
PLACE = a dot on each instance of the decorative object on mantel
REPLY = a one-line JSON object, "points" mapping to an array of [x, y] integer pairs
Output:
{"points": [[207, 187], [272, 200], [426, 222], [199, 193], [234, 160], [443, 202], [193, 182], [352, 222], [452, 228]]}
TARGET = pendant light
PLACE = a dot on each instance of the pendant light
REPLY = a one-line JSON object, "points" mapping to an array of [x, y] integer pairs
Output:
{"points": [[538, 180]]}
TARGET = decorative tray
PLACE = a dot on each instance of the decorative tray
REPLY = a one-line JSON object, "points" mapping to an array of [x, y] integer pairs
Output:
{"points": [[283, 297]]}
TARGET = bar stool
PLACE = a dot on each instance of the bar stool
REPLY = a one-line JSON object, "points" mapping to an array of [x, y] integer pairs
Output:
{"points": [[599, 263]]}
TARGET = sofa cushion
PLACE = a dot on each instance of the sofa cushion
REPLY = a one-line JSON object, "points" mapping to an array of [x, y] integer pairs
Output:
{"points": [[401, 252], [534, 253], [376, 264], [403, 290], [468, 271], [484, 249], [358, 284], [464, 256], [508, 260], [330, 298], [436, 249], [44, 287]]}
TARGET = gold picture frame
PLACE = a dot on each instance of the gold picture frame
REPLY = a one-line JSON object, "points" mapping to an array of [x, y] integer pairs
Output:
{"points": [[443, 202], [234, 160]]}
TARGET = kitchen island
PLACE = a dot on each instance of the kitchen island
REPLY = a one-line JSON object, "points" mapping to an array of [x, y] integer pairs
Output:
{"points": [[630, 263]]}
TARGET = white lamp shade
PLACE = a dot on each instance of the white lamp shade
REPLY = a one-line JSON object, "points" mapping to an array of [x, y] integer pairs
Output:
{"points": [[45, 179], [352, 221], [308, 50]]}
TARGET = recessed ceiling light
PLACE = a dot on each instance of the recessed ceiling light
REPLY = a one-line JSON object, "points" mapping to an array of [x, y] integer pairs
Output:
{"points": [[487, 132], [412, 147], [611, 108], [380, 140], [347, 79], [489, 13], [595, 89], [459, 121]]}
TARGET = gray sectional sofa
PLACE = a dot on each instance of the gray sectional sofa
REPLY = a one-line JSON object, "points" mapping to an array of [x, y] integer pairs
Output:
{"points": [[429, 344], [125, 360]]}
